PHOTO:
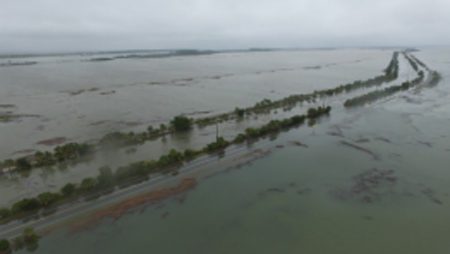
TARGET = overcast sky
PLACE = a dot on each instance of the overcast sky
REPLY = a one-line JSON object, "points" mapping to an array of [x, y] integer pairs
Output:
{"points": [[73, 25]]}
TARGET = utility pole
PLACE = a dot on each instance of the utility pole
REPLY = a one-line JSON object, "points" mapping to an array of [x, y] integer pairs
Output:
{"points": [[217, 132]]}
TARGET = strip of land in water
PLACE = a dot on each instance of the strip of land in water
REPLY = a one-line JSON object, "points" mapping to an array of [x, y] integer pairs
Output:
{"points": [[174, 161]]}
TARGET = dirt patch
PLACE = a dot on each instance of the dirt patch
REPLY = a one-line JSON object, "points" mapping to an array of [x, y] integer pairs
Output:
{"points": [[52, 141], [118, 210], [24, 151]]}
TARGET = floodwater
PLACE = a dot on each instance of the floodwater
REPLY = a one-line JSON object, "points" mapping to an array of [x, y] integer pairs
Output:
{"points": [[72, 98], [372, 179]]}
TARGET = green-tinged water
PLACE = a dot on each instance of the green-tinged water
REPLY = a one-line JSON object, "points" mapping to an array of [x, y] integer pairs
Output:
{"points": [[304, 199]]}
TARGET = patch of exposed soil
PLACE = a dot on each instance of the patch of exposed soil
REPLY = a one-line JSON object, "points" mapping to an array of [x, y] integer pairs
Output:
{"points": [[52, 141], [119, 209]]}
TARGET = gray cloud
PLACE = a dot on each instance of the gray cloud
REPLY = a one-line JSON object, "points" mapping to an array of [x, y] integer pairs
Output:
{"points": [[56, 25]]}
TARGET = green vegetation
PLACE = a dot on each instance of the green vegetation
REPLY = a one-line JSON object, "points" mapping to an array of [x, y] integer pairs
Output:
{"points": [[378, 94], [68, 190], [107, 180], [239, 112], [264, 106], [119, 139], [218, 145], [181, 123], [411, 61], [435, 78], [4, 213], [5, 246], [71, 152], [29, 240], [419, 62], [47, 199], [22, 164], [75, 152], [26, 205]]}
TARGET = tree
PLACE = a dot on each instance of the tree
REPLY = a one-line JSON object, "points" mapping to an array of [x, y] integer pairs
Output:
{"points": [[172, 158], [26, 205], [68, 189], [105, 178], [23, 164], [18, 243], [181, 123], [239, 112], [29, 235], [88, 184], [48, 198], [220, 144], [189, 154], [30, 239], [5, 246], [43, 159], [4, 213]]}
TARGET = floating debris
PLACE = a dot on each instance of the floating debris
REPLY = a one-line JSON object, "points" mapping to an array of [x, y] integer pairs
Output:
{"points": [[315, 67], [99, 122], [386, 140], [108, 92], [362, 140], [298, 143], [425, 143], [305, 190], [7, 106], [360, 148], [337, 132], [164, 215], [367, 217], [368, 186], [80, 91], [278, 190], [431, 195]]}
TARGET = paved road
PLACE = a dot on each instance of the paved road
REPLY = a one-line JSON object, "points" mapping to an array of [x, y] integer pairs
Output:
{"points": [[67, 211]]}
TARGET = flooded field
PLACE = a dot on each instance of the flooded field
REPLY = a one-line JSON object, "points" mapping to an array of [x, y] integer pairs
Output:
{"points": [[65, 96], [368, 179]]}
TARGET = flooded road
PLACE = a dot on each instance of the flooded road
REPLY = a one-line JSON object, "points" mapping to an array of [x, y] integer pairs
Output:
{"points": [[370, 179]]}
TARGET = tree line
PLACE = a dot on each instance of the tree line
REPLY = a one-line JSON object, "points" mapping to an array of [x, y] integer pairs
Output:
{"points": [[107, 180]]}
